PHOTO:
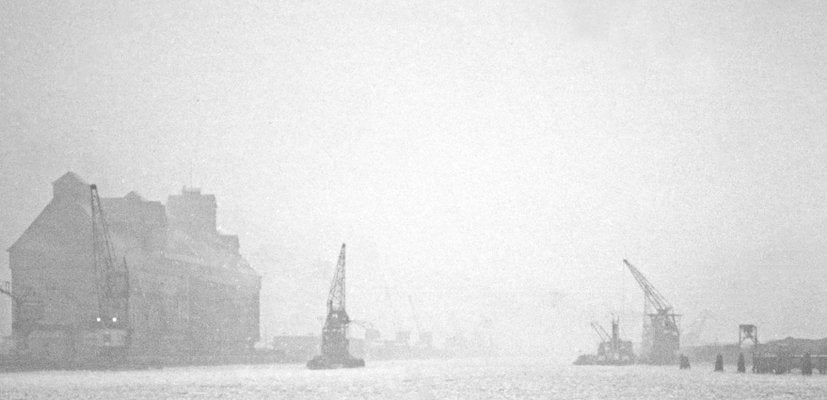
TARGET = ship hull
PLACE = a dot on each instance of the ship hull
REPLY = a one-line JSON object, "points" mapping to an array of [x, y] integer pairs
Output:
{"points": [[320, 362]]}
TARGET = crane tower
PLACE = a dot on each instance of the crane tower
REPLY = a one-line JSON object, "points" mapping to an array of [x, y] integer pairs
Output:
{"points": [[335, 352], [112, 325], [661, 335]]}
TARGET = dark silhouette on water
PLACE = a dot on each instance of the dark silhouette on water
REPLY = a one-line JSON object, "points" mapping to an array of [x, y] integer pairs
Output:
{"points": [[661, 334], [335, 352], [612, 350], [719, 363], [684, 362]]}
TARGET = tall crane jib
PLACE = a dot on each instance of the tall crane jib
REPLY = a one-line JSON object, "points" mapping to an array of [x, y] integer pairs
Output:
{"points": [[334, 349], [661, 334], [112, 325]]}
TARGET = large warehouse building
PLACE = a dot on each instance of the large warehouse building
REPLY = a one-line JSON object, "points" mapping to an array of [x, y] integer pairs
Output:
{"points": [[191, 292]]}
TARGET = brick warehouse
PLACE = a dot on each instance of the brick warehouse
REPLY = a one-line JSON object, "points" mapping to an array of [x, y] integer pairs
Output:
{"points": [[191, 294]]}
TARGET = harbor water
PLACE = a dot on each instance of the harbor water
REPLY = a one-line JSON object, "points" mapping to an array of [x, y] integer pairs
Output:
{"points": [[414, 379]]}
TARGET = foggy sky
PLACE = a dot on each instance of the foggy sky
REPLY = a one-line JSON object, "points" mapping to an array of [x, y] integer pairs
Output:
{"points": [[491, 160]]}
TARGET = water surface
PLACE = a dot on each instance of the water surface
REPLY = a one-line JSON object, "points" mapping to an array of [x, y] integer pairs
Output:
{"points": [[427, 379]]}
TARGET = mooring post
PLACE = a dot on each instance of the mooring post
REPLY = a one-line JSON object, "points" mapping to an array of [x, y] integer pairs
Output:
{"points": [[684, 364], [742, 367]]}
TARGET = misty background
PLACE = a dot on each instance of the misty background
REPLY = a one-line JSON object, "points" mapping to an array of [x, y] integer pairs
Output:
{"points": [[494, 161]]}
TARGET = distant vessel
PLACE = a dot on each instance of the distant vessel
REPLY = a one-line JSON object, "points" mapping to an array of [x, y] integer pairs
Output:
{"points": [[335, 352], [611, 351]]}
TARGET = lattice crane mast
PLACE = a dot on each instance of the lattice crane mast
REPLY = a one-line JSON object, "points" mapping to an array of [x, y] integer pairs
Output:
{"points": [[652, 295], [335, 352], [112, 281], [601, 332], [661, 335], [337, 296]]}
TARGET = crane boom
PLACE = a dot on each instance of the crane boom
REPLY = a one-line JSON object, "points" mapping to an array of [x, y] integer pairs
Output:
{"points": [[652, 295], [661, 334], [113, 278], [335, 352], [604, 336], [336, 297], [112, 284]]}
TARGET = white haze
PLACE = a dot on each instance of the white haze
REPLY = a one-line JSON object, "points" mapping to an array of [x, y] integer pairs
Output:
{"points": [[490, 159]]}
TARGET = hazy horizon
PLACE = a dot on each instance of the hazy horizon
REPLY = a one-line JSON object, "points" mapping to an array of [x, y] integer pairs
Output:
{"points": [[490, 160]]}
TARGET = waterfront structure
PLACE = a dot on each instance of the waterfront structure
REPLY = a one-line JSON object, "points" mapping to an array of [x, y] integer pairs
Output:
{"points": [[612, 350], [191, 293], [335, 351], [661, 333]]}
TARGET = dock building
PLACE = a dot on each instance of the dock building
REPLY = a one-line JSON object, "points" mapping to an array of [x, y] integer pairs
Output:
{"points": [[192, 294]]}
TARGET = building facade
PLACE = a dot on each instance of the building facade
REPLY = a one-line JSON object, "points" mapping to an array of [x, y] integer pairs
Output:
{"points": [[191, 292]]}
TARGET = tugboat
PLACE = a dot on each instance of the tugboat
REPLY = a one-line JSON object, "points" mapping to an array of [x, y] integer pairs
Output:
{"points": [[335, 352], [611, 351]]}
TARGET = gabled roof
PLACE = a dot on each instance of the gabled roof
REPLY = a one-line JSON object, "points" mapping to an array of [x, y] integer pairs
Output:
{"points": [[71, 178], [53, 228], [43, 229]]}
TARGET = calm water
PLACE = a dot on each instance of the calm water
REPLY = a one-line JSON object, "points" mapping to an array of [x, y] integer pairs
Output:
{"points": [[433, 379]]}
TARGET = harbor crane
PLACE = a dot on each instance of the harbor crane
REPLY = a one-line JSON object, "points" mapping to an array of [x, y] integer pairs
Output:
{"points": [[111, 325], [661, 334], [612, 350], [335, 353], [601, 332]]}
